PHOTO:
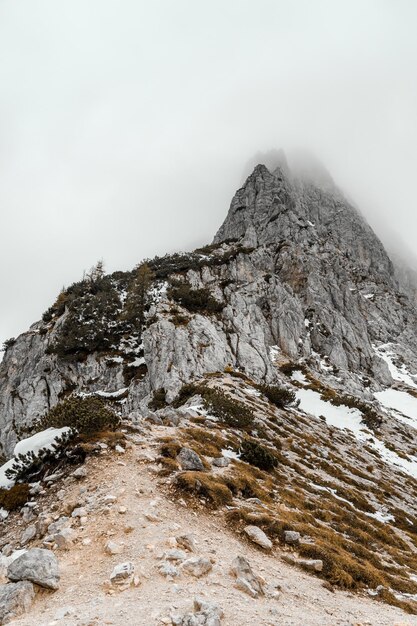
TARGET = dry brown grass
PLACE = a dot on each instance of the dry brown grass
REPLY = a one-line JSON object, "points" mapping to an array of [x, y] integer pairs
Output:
{"points": [[205, 485]]}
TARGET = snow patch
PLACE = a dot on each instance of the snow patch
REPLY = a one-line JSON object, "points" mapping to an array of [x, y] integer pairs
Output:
{"points": [[401, 404], [43, 440], [299, 377], [401, 374]]}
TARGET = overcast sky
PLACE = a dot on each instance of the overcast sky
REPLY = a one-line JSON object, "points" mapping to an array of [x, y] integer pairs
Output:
{"points": [[125, 125]]}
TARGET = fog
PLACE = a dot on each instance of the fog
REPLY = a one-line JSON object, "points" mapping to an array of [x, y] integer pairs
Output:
{"points": [[126, 126]]}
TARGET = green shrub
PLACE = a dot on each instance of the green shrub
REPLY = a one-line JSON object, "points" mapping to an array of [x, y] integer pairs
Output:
{"points": [[230, 411], [277, 395], [255, 454], [186, 392], [85, 415], [15, 497], [194, 300]]}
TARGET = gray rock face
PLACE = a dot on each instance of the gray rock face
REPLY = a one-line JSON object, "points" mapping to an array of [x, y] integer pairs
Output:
{"points": [[305, 275], [38, 566], [15, 599]]}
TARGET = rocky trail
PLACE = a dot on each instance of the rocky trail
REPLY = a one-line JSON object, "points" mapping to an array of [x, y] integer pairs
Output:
{"points": [[121, 511]]}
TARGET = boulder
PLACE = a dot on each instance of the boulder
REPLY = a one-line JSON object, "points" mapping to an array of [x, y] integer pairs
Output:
{"points": [[38, 565], [258, 536], [189, 460], [15, 599]]}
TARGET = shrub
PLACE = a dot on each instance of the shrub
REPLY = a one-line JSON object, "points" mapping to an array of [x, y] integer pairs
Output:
{"points": [[85, 415], [230, 411], [8, 344], [186, 392], [194, 300], [255, 454], [31, 466], [15, 497], [158, 401], [277, 395]]}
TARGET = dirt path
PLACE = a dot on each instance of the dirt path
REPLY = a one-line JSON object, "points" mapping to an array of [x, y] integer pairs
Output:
{"points": [[85, 568]]}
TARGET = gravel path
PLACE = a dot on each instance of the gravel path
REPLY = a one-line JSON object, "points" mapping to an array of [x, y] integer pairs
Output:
{"points": [[87, 598]]}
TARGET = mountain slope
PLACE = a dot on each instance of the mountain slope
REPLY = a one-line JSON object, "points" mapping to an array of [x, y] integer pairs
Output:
{"points": [[283, 354]]}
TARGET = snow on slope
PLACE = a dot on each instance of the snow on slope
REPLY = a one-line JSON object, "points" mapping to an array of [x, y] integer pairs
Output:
{"points": [[351, 419]]}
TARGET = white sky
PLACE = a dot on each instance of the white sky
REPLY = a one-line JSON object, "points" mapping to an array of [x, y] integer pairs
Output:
{"points": [[125, 125]]}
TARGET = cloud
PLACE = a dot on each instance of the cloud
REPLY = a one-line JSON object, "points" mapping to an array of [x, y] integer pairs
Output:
{"points": [[125, 126]]}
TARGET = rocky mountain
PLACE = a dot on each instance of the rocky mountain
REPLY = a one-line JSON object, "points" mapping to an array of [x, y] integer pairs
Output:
{"points": [[294, 266], [271, 376]]}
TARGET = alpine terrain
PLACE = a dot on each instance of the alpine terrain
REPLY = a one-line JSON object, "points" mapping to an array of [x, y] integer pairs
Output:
{"points": [[225, 437]]}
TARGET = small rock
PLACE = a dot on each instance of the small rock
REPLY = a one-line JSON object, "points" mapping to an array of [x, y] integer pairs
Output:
{"points": [[119, 449], [15, 599], [258, 536], [38, 565], [291, 536], [109, 499], [80, 473], [197, 566], [246, 580], [168, 570], [122, 573], [221, 461], [152, 516], [28, 514], [64, 538], [187, 542], [189, 460], [112, 548], [28, 534], [175, 555], [312, 565], [205, 614], [79, 512], [122, 510], [7, 550]]}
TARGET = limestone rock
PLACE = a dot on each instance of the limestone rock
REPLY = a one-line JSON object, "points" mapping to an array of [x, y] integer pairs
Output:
{"points": [[258, 536], [291, 536], [15, 599], [246, 580], [37, 565], [186, 541], [189, 460], [28, 534], [205, 614], [197, 566], [122, 573]]}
